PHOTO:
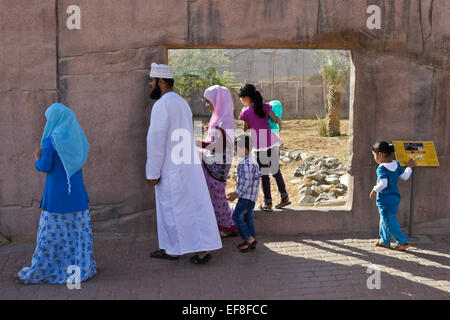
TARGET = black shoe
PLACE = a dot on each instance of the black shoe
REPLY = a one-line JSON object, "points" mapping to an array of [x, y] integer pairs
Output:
{"points": [[161, 254], [250, 246], [231, 234], [197, 260]]}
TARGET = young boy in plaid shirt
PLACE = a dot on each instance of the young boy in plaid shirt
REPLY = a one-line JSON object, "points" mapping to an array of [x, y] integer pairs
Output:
{"points": [[247, 192]]}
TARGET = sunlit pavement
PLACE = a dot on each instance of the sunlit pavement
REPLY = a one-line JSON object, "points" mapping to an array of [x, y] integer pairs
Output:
{"points": [[281, 267]]}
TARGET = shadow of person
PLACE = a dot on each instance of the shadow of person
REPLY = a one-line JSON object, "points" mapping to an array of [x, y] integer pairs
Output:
{"points": [[390, 258]]}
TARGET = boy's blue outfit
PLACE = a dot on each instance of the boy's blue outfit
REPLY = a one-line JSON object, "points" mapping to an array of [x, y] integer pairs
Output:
{"points": [[243, 218], [387, 201], [247, 191]]}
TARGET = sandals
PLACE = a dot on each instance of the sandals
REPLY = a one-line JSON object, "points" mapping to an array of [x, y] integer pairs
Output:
{"points": [[402, 247], [266, 207], [231, 234], [250, 246], [283, 203], [381, 244], [161, 254], [197, 260], [16, 278], [269, 207]]}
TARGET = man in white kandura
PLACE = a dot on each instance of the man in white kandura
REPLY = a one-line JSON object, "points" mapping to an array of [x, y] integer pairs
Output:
{"points": [[185, 216]]}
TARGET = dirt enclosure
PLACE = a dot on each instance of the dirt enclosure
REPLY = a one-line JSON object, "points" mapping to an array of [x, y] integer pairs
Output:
{"points": [[302, 136]]}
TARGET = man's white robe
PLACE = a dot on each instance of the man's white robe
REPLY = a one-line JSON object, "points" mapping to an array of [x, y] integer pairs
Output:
{"points": [[185, 216]]}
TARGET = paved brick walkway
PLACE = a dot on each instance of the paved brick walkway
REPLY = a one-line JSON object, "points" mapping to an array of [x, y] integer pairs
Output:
{"points": [[319, 267]]}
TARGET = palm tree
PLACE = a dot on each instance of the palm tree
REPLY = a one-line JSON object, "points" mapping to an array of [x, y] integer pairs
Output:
{"points": [[334, 67]]}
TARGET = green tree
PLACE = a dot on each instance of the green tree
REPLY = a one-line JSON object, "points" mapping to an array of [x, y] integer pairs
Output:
{"points": [[197, 69], [334, 67]]}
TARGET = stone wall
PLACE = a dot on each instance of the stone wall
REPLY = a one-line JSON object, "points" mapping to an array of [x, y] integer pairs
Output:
{"points": [[400, 84]]}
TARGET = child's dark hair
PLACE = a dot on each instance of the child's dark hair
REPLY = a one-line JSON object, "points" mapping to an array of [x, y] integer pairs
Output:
{"points": [[249, 90], [383, 147], [245, 140]]}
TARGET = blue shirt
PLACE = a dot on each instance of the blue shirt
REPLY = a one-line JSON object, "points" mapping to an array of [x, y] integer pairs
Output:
{"points": [[56, 197]]}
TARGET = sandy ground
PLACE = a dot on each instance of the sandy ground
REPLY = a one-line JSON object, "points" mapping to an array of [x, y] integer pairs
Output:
{"points": [[302, 135]]}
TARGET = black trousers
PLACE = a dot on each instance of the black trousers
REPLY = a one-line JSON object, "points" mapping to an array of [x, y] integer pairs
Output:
{"points": [[269, 164]]}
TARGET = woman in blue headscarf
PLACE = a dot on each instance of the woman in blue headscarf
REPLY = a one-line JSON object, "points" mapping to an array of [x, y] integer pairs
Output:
{"points": [[64, 237]]}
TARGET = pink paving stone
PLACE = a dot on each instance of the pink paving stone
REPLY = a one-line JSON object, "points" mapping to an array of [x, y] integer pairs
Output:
{"points": [[140, 277]]}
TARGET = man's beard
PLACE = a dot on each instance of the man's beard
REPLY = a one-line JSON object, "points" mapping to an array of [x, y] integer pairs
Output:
{"points": [[156, 93]]}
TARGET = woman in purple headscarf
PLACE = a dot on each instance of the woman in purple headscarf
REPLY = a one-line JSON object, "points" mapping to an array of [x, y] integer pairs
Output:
{"points": [[217, 159]]}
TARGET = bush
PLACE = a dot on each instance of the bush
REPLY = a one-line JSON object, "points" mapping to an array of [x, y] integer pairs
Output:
{"points": [[322, 126], [197, 69]]}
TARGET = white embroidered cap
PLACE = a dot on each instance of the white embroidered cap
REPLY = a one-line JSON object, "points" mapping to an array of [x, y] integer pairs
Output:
{"points": [[161, 71]]}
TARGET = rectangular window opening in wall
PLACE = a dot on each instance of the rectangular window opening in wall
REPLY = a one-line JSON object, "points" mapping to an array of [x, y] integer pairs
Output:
{"points": [[315, 92]]}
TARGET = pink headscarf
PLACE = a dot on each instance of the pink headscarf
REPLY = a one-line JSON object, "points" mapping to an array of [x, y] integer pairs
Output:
{"points": [[223, 116]]}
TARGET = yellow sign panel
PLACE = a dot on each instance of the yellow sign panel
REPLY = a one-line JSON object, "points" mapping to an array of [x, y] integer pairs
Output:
{"points": [[422, 151]]}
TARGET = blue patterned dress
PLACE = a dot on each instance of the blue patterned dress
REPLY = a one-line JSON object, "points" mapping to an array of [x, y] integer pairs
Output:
{"points": [[63, 240]]}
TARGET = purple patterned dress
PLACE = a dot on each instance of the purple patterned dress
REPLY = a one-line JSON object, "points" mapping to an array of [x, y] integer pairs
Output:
{"points": [[216, 178]]}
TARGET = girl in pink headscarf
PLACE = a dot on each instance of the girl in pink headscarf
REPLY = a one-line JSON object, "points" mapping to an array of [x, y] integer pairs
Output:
{"points": [[217, 159]]}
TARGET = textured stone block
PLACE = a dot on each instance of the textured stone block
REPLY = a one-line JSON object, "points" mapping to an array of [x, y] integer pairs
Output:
{"points": [[27, 45], [108, 25]]}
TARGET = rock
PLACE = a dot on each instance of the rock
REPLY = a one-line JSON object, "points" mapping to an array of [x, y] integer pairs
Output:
{"points": [[294, 181], [307, 165], [295, 155], [285, 159], [309, 183], [316, 190], [341, 186], [332, 162], [309, 169], [325, 197], [331, 203], [298, 172], [325, 188], [306, 191], [338, 192], [323, 170], [332, 180], [306, 157], [306, 199], [317, 177]]}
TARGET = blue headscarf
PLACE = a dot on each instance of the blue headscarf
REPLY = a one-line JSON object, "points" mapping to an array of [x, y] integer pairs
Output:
{"points": [[67, 137]]}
